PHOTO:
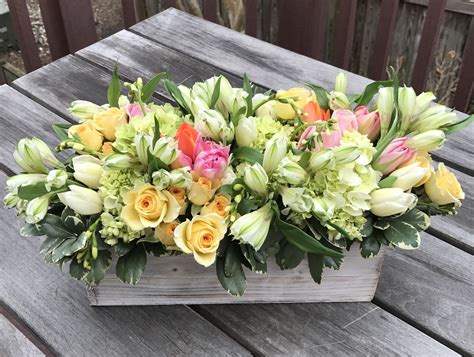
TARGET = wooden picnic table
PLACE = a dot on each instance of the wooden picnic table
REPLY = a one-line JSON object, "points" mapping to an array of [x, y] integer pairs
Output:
{"points": [[424, 303]]}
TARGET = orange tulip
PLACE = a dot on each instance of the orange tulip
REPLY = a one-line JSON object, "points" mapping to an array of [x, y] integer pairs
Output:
{"points": [[186, 137], [314, 112]]}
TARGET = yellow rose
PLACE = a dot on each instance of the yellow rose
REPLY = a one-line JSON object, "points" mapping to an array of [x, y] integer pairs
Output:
{"points": [[424, 160], [107, 148], [108, 121], [89, 137], [165, 234], [202, 189], [217, 205], [146, 206], [285, 111], [201, 237], [180, 195], [443, 188]]}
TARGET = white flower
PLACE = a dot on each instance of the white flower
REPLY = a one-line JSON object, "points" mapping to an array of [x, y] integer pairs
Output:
{"points": [[166, 149], [341, 82], [56, 179], [256, 179], [389, 201], [406, 105], [297, 199], [385, 107], [275, 150], [408, 176], [142, 143], [291, 172], [88, 170], [246, 132], [427, 141], [252, 228], [82, 200], [84, 110], [37, 208], [211, 124], [320, 160], [32, 155]]}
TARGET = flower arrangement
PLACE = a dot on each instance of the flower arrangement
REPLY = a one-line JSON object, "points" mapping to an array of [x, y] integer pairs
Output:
{"points": [[234, 177]]}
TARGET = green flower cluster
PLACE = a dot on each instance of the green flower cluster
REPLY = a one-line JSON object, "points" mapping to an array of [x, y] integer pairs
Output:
{"points": [[113, 184], [266, 127]]}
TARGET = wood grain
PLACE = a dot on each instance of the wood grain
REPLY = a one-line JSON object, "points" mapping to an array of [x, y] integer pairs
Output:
{"points": [[179, 280], [56, 307], [14, 343], [432, 287]]}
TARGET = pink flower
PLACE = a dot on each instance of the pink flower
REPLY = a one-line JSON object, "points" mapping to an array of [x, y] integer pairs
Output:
{"points": [[212, 163], [332, 139], [345, 119], [394, 155], [369, 122], [182, 160], [207, 145], [306, 134], [134, 110]]}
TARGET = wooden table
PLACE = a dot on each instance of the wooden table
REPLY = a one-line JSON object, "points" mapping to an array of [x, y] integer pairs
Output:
{"points": [[424, 302]]}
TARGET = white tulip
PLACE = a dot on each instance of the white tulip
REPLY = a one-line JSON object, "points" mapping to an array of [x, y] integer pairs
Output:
{"points": [[252, 228], [275, 150], [406, 105], [82, 200], [390, 201], [246, 132], [385, 107], [408, 176], [88, 170]]}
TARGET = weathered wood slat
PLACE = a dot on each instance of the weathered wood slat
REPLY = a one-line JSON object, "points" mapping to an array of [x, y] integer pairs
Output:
{"points": [[140, 57], [129, 14], [179, 280], [270, 66], [79, 24], [459, 229], [466, 76], [429, 37], [344, 32], [24, 32], [13, 342], [433, 287], [56, 306], [210, 10], [251, 12], [356, 329], [54, 26]]}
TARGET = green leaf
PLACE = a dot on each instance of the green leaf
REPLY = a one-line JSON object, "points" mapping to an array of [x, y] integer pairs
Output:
{"points": [[49, 244], [232, 258], [459, 125], [339, 229], [321, 95], [53, 226], [289, 256], [368, 228], [381, 225], [69, 247], [77, 270], [256, 260], [416, 218], [316, 266], [402, 235], [60, 131], [216, 93], [246, 206], [302, 240], [234, 284], [98, 267], [156, 130], [130, 267], [247, 86], [72, 221], [156, 249], [371, 90], [29, 192], [150, 87], [174, 91], [113, 91], [30, 230], [369, 247], [304, 160], [222, 249], [247, 154], [387, 182]]}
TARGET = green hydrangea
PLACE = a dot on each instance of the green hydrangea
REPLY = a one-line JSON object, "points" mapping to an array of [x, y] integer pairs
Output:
{"points": [[267, 127], [113, 184]]}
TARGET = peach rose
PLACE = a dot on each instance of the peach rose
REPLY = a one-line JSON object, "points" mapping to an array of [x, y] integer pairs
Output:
{"points": [[180, 195], [88, 135], [443, 187], [165, 234], [217, 205], [202, 189], [107, 122]]}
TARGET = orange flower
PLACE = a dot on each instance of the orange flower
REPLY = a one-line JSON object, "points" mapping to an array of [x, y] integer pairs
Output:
{"points": [[186, 136], [314, 112]]}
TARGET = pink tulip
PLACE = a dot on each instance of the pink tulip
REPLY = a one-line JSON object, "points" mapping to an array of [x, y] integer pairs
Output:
{"points": [[369, 122], [212, 163], [182, 160], [206, 145], [345, 119], [134, 110], [394, 155], [306, 134], [332, 139]]}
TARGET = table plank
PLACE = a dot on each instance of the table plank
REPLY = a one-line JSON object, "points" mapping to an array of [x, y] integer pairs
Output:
{"points": [[139, 57], [432, 286], [14, 343], [356, 329], [459, 229], [268, 65], [57, 308]]}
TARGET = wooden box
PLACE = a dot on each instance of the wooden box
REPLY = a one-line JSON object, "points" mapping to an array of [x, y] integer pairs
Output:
{"points": [[180, 280]]}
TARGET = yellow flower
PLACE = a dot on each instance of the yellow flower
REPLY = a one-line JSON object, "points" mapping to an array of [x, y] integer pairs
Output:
{"points": [[202, 189], [217, 205], [88, 135], [424, 160], [107, 148], [443, 187], [165, 234], [180, 195], [108, 121], [201, 237], [146, 206], [285, 111]]}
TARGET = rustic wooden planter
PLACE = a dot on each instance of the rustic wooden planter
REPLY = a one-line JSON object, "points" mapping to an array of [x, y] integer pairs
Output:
{"points": [[180, 280]]}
